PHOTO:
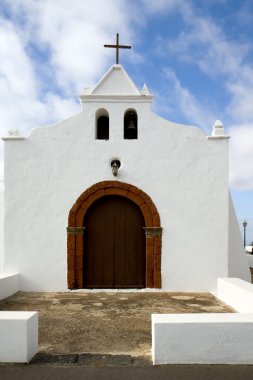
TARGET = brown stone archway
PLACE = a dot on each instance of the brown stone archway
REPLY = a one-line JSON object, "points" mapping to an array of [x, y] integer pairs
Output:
{"points": [[76, 229]]}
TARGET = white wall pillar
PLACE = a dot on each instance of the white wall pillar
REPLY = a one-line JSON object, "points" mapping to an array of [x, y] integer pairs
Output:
{"points": [[18, 336]]}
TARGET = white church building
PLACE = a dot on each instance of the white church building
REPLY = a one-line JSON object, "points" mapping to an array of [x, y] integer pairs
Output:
{"points": [[118, 197]]}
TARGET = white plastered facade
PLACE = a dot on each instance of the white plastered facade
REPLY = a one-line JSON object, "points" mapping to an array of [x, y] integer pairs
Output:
{"points": [[183, 171]]}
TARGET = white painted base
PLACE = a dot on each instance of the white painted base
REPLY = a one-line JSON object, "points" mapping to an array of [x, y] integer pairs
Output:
{"points": [[202, 338], [9, 284], [18, 336], [236, 293]]}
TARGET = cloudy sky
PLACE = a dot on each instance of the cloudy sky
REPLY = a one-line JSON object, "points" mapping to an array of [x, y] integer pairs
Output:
{"points": [[196, 56]]}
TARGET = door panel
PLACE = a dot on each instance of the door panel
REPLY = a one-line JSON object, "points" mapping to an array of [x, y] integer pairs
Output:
{"points": [[114, 244]]}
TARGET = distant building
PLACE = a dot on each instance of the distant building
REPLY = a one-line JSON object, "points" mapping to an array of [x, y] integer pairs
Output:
{"points": [[249, 249]]}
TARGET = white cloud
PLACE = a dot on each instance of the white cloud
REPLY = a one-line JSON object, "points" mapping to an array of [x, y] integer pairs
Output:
{"points": [[204, 43], [241, 90], [17, 74], [21, 106], [241, 156], [73, 36], [189, 106]]}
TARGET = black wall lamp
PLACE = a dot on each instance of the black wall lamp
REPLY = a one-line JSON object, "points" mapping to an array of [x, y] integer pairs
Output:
{"points": [[115, 165]]}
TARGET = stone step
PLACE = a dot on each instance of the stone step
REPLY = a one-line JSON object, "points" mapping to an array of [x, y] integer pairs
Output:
{"points": [[91, 359]]}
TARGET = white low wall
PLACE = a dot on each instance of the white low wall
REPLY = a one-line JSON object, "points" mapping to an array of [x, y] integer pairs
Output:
{"points": [[18, 336], [208, 338], [9, 284], [202, 338], [236, 293]]}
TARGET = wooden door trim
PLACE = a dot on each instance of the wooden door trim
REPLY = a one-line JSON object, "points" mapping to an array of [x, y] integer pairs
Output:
{"points": [[75, 226]]}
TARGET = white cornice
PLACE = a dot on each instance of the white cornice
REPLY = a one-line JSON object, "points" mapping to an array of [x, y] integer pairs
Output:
{"points": [[223, 137], [116, 98], [9, 138]]}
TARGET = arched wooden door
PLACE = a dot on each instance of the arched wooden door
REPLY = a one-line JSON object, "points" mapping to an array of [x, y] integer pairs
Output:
{"points": [[114, 245]]}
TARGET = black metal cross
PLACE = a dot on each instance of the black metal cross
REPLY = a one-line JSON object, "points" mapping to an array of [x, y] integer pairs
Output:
{"points": [[117, 47]]}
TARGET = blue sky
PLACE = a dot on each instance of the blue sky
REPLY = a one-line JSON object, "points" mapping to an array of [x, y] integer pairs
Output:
{"points": [[195, 56]]}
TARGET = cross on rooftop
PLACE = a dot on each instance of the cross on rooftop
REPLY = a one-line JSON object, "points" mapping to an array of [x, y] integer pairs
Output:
{"points": [[117, 47]]}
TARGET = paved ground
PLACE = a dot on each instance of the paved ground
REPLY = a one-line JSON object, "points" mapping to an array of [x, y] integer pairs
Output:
{"points": [[119, 323], [107, 336]]}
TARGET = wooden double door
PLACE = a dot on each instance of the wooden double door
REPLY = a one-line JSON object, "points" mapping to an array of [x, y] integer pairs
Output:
{"points": [[114, 245]]}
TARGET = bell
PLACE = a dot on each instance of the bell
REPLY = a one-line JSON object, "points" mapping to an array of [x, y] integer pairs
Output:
{"points": [[131, 125]]}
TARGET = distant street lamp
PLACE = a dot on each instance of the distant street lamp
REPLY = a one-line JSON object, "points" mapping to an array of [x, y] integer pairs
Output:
{"points": [[244, 232]]}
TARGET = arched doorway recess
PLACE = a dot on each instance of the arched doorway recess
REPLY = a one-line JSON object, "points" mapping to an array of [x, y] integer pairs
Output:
{"points": [[76, 230]]}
